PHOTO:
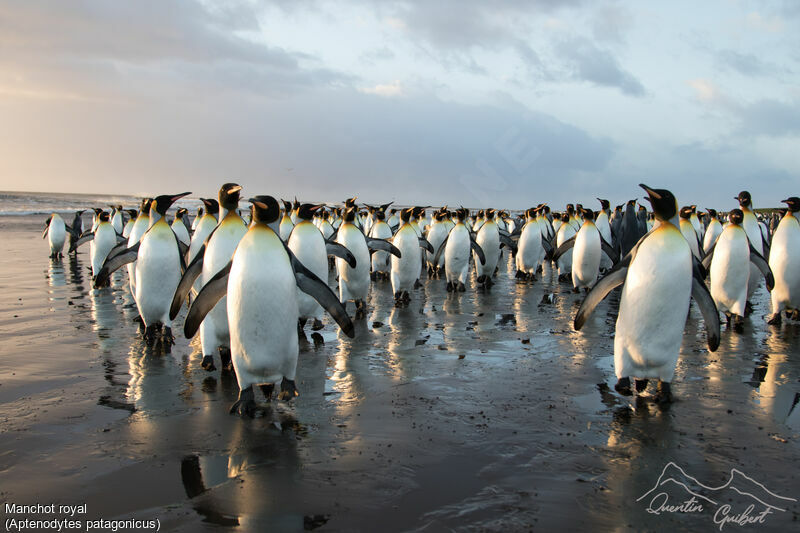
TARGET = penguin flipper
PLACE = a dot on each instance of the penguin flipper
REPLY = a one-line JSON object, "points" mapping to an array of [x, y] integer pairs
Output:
{"points": [[566, 245], [506, 239], [709, 310], [424, 243], [112, 264], [309, 283], [86, 237], [121, 247], [609, 250], [602, 288], [334, 248], [758, 260], [709, 255], [548, 248], [182, 250], [192, 272], [478, 251], [46, 228], [380, 244], [440, 250], [211, 293]]}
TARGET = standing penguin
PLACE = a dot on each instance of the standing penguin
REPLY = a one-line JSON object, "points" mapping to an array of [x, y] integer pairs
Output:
{"points": [[75, 231], [310, 248], [287, 223], [405, 267], [751, 226], [604, 227], [158, 270], [56, 231], [179, 226], [261, 281], [209, 260], [659, 280], [629, 233], [688, 231], [140, 227], [354, 281], [565, 232], [784, 260], [116, 218], [103, 239], [456, 248], [132, 215], [589, 247], [730, 269], [197, 218], [205, 226], [436, 235], [488, 238], [530, 249], [381, 265], [713, 230]]}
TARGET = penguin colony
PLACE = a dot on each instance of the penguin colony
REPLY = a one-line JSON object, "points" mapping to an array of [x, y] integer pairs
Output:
{"points": [[251, 286]]}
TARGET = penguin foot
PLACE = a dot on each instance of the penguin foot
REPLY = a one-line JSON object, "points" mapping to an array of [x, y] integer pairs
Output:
{"points": [[575, 290], [208, 363], [245, 406], [664, 395], [564, 277], [748, 308], [288, 390], [623, 386], [317, 325], [738, 324], [774, 320], [449, 286], [225, 359], [417, 284], [168, 338], [539, 269], [461, 287], [641, 385], [138, 320], [373, 276], [150, 334], [267, 389], [318, 340], [481, 279], [520, 274], [301, 323]]}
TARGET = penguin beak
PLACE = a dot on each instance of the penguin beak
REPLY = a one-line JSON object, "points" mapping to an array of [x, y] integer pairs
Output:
{"points": [[650, 192], [177, 197], [256, 203], [234, 189]]}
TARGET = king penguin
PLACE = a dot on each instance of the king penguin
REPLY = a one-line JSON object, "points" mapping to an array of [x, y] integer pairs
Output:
{"points": [[530, 251], [381, 265], [604, 227], [209, 260], [659, 280], [140, 226], [179, 226], [436, 235], [784, 260], [405, 266], [566, 231], [260, 281], [456, 248], [103, 241], [287, 223], [589, 246], [713, 230], [56, 232], [688, 231], [753, 230], [208, 221], [730, 261]]}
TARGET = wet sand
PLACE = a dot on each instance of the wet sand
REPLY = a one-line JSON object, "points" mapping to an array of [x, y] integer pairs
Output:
{"points": [[476, 411]]}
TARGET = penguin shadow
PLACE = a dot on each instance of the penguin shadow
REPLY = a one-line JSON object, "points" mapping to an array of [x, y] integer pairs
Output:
{"points": [[75, 272], [262, 459]]}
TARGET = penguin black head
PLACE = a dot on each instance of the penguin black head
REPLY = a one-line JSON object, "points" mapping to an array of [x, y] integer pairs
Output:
{"points": [[461, 214], [618, 209], [132, 213], [229, 196], [103, 216], [405, 214], [212, 206], [605, 204], [265, 209], [490, 214], [686, 212], [349, 214], [146, 203], [307, 211], [380, 214], [744, 199], [163, 202], [712, 212], [296, 203], [570, 209], [287, 207], [642, 208], [588, 214], [180, 213], [97, 211], [665, 206], [556, 216], [736, 216], [793, 202], [350, 202]]}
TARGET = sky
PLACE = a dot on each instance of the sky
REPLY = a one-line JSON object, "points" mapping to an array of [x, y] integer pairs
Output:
{"points": [[507, 103]]}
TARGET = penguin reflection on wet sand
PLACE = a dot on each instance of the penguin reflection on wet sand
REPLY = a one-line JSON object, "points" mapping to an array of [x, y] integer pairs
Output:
{"points": [[658, 279], [262, 308]]}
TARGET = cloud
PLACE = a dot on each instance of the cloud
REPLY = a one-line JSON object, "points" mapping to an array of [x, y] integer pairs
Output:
{"points": [[705, 91], [769, 24], [746, 64], [388, 90], [772, 118], [589, 63]]}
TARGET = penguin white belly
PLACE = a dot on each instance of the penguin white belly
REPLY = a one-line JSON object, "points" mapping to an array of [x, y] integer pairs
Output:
{"points": [[405, 269], [380, 259], [456, 255], [285, 228], [157, 275], [214, 328], [653, 307], [308, 246], [784, 260], [353, 282], [586, 257], [730, 271], [126, 231], [180, 230], [104, 240], [56, 234], [262, 311], [116, 222], [750, 225], [565, 261], [201, 233], [714, 230], [530, 251], [436, 237], [691, 237], [605, 231], [489, 240]]}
